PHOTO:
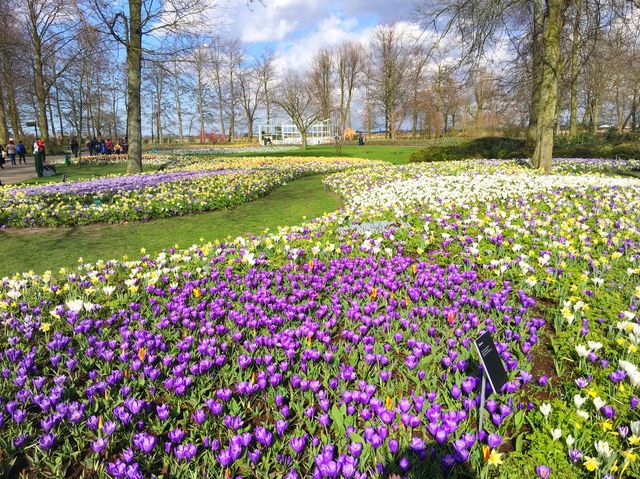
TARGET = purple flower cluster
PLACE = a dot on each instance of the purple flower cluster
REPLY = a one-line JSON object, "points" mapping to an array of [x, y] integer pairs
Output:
{"points": [[305, 363]]}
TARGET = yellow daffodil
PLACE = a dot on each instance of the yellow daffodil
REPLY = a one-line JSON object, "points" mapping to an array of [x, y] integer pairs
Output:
{"points": [[591, 463]]}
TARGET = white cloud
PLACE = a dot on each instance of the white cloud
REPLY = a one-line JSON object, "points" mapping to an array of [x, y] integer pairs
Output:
{"points": [[330, 32]]}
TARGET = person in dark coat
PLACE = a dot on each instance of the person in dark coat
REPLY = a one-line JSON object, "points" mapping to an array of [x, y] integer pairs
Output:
{"points": [[74, 147], [21, 150]]}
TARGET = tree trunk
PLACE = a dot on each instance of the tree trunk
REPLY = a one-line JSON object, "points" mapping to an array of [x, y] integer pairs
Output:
{"points": [[543, 153], [159, 111], [304, 139], [179, 106], [619, 108], [41, 98], [134, 73], [4, 133], [14, 114], [538, 67], [575, 44], [114, 111], [634, 112], [200, 104], [51, 122], [59, 110], [595, 113], [558, 118]]}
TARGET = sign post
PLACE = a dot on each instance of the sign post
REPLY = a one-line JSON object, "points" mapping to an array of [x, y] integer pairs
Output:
{"points": [[492, 369], [35, 125]]}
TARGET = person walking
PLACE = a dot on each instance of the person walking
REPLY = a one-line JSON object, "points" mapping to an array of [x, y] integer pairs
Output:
{"points": [[74, 147], [38, 157], [22, 153], [11, 151], [2, 156]]}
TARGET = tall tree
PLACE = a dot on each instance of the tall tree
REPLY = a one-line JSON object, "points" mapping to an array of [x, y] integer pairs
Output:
{"points": [[51, 33], [349, 64], [130, 23], [251, 94], [265, 66], [390, 61], [322, 81], [296, 96]]}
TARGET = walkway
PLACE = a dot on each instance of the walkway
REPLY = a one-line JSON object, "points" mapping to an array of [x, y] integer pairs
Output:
{"points": [[19, 173]]}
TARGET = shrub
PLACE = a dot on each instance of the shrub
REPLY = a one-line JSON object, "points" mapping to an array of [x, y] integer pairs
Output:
{"points": [[487, 147]]}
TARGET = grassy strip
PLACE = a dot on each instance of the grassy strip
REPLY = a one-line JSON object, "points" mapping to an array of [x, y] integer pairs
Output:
{"points": [[51, 248], [395, 154]]}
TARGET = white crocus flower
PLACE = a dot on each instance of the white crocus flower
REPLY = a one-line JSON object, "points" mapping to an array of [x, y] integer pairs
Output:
{"points": [[556, 434], [75, 305], [603, 448], [582, 351], [598, 402], [545, 409], [594, 345]]}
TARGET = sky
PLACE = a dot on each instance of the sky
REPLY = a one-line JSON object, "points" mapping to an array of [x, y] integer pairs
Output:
{"points": [[295, 29]]}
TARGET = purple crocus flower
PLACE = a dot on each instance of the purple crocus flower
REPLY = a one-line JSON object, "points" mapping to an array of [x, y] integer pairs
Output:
{"points": [[263, 436], [355, 448], [281, 426], [608, 411], [98, 445], [417, 444], [494, 440], [144, 442], [186, 451], [163, 412], [543, 472], [199, 416], [575, 455], [47, 441], [224, 457], [176, 435], [298, 443]]}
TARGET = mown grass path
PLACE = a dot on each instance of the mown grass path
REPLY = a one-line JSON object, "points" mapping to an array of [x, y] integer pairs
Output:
{"points": [[51, 248]]}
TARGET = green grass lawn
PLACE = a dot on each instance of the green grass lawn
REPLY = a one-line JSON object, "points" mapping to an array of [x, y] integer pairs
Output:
{"points": [[398, 155], [84, 172], [49, 249]]}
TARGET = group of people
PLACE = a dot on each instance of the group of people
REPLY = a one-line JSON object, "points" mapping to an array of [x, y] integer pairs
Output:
{"points": [[102, 147], [11, 151]]}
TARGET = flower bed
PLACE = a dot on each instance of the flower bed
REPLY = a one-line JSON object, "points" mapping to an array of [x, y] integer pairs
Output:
{"points": [[343, 348], [201, 186]]}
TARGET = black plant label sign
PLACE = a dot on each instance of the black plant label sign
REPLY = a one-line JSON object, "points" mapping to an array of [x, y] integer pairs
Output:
{"points": [[493, 367]]}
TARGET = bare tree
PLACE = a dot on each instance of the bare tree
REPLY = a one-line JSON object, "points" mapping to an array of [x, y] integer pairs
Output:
{"points": [[349, 64], [251, 94], [142, 19], [296, 96], [51, 33], [390, 61], [266, 73], [322, 80], [234, 53]]}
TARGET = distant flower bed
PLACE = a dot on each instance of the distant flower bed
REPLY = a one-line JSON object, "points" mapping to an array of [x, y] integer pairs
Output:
{"points": [[229, 150], [147, 159]]}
